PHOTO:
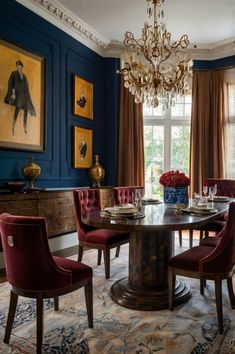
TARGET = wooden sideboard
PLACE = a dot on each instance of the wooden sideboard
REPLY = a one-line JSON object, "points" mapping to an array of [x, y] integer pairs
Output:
{"points": [[57, 206]]}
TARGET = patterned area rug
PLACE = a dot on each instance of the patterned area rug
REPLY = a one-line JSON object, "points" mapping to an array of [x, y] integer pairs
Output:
{"points": [[190, 328]]}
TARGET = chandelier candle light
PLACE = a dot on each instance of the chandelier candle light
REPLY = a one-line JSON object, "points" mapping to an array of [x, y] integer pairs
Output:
{"points": [[162, 70]]}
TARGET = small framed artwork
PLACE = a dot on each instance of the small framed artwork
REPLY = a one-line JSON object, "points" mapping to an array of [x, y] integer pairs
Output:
{"points": [[82, 147], [82, 97], [22, 98]]}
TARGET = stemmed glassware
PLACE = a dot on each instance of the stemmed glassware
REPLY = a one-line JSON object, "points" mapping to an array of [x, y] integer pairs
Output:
{"points": [[203, 200], [212, 192], [137, 198], [205, 190]]}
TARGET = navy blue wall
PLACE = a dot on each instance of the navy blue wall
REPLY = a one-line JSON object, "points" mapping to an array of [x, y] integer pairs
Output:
{"points": [[64, 57]]}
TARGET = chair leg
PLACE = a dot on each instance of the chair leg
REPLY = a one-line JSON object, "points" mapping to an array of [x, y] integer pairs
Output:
{"points": [[117, 251], [202, 286], [80, 253], [56, 303], [218, 299], [107, 262], [89, 302], [201, 234], [99, 257], [206, 233], [190, 238], [171, 280], [39, 324], [180, 237], [231, 292], [11, 315]]}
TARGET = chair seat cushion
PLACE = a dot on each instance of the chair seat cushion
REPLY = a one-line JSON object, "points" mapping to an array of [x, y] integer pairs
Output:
{"points": [[210, 241], [189, 260], [105, 236], [80, 271]]}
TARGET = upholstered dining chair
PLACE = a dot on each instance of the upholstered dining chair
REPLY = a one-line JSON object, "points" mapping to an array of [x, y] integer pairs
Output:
{"points": [[33, 272], [124, 195], [87, 200], [225, 187], [212, 263]]}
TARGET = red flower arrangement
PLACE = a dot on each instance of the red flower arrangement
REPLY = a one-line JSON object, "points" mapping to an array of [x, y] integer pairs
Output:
{"points": [[174, 179]]}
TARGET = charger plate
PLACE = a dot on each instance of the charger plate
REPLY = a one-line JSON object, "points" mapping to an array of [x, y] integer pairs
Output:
{"points": [[200, 211]]}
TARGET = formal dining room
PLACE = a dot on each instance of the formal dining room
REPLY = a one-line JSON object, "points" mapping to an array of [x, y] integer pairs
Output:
{"points": [[117, 176]]}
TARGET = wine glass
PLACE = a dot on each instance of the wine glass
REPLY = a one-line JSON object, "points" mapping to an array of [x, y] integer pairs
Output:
{"points": [[212, 192], [205, 190]]}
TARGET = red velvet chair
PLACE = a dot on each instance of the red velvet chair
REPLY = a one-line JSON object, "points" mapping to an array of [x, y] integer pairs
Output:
{"points": [[87, 200], [33, 272], [124, 195], [225, 187], [212, 263]]}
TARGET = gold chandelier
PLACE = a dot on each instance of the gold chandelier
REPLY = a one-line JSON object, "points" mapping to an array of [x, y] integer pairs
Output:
{"points": [[162, 70]]}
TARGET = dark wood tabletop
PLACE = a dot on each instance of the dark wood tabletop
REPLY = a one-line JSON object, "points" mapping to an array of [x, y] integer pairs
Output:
{"points": [[157, 217]]}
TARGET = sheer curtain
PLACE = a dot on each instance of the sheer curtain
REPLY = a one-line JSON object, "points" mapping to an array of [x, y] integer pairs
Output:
{"points": [[207, 128], [131, 141]]}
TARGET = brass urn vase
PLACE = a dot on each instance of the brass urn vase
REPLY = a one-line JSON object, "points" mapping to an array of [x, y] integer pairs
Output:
{"points": [[96, 173], [31, 171]]}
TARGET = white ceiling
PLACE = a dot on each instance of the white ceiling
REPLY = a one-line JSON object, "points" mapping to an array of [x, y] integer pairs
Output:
{"points": [[205, 21]]}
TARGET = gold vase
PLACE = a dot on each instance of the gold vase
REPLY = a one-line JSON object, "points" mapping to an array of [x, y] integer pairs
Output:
{"points": [[96, 173], [31, 171]]}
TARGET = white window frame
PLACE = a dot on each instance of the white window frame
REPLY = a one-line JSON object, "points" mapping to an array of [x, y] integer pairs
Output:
{"points": [[167, 122], [230, 121]]}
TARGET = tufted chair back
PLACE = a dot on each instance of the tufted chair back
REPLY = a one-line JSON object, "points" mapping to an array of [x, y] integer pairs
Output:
{"points": [[85, 200], [28, 260], [225, 187], [124, 195]]}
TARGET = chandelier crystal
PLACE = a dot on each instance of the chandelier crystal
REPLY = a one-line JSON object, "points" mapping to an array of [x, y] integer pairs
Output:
{"points": [[158, 69]]}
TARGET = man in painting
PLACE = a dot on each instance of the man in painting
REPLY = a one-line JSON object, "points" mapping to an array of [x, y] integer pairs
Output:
{"points": [[18, 95], [82, 148], [82, 100]]}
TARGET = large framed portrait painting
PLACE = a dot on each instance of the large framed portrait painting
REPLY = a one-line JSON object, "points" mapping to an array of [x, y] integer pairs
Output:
{"points": [[82, 147], [22, 96]]}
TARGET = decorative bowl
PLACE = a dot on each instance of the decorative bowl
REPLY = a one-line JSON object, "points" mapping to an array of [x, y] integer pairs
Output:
{"points": [[14, 186]]}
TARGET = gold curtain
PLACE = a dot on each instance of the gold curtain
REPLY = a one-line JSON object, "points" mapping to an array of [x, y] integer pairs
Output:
{"points": [[131, 141], [207, 128]]}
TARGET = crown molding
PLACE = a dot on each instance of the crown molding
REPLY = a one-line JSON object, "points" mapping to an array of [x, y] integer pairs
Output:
{"points": [[58, 15], [218, 50]]}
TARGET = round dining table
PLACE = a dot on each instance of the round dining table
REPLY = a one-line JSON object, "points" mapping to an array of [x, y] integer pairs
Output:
{"points": [[150, 248]]}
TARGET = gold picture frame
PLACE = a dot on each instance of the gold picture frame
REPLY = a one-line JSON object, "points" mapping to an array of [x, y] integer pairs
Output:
{"points": [[22, 98], [82, 138], [82, 97]]}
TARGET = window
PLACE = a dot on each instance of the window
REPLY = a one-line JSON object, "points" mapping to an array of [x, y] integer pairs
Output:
{"points": [[166, 142], [230, 133]]}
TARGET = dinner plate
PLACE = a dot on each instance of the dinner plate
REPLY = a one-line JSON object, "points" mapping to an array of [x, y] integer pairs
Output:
{"points": [[221, 199], [124, 210], [150, 201], [203, 210]]}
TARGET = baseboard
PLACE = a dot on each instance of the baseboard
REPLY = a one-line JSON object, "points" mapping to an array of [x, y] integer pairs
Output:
{"points": [[67, 252]]}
